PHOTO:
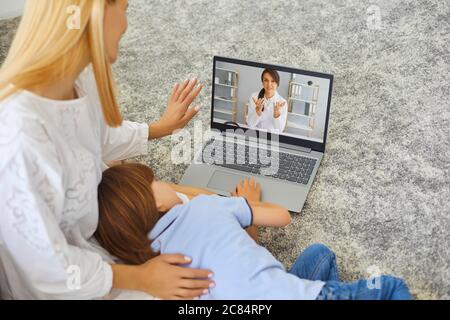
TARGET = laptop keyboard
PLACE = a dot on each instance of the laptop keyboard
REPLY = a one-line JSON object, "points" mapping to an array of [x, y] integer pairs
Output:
{"points": [[291, 167]]}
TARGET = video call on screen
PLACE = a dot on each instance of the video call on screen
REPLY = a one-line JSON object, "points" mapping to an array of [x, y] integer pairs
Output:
{"points": [[262, 99]]}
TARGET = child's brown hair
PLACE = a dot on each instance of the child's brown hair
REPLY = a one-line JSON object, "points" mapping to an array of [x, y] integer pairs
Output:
{"points": [[128, 212]]}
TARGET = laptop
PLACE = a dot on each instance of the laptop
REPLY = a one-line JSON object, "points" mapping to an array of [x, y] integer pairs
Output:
{"points": [[269, 122]]}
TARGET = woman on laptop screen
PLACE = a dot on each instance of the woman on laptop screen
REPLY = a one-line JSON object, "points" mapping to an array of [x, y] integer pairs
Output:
{"points": [[268, 109]]}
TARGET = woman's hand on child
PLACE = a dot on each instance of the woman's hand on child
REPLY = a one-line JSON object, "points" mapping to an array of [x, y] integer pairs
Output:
{"points": [[178, 112], [165, 278], [248, 189]]}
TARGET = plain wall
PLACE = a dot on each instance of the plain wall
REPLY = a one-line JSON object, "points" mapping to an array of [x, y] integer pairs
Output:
{"points": [[11, 8]]}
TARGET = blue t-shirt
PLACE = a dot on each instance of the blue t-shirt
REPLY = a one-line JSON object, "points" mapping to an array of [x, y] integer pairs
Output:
{"points": [[209, 229]]}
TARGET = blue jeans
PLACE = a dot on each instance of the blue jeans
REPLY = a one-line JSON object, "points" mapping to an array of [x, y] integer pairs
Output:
{"points": [[318, 262]]}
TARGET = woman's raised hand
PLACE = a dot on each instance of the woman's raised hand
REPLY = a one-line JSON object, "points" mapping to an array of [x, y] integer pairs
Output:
{"points": [[179, 111], [259, 105], [165, 278], [277, 107]]}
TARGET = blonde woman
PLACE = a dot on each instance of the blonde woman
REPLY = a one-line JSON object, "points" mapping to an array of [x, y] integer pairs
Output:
{"points": [[59, 122]]}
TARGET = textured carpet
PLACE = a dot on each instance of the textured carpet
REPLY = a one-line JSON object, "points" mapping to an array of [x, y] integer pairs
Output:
{"points": [[381, 197]]}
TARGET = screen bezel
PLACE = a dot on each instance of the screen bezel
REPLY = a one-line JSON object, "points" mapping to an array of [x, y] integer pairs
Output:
{"points": [[316, 146]]}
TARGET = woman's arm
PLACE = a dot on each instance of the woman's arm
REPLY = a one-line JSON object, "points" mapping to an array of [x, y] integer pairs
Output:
{"points": [[131, 138], [32, 198], [178, 112], [124, 142], [162, 277]]}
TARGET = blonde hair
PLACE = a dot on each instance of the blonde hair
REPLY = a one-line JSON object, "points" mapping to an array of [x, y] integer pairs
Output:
{"points": [[46, 50]]}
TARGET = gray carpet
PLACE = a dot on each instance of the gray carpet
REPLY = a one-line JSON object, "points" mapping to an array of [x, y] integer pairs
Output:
{"points": [[381, 197]]}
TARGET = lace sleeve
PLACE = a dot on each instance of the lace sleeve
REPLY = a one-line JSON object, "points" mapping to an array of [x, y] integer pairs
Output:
{"points": [[32, 197], [128, 140]]}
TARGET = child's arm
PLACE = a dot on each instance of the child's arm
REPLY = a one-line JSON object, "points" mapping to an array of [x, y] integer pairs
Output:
{"points": [[264, 214], [269, 215], [190, 192]]}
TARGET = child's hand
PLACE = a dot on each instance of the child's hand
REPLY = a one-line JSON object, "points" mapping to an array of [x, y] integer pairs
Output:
{"points": [[248, 189]]}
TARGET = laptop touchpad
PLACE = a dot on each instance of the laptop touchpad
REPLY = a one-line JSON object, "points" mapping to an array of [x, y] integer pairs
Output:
{"points": [[224, 181]]}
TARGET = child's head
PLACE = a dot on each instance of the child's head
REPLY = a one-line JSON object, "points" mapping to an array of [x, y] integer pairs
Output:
{"points": [[130, 204]]}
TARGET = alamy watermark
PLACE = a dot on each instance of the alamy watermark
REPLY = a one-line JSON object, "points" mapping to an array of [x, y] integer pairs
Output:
{"points": [[74, 20], [373, 19], [374, 280], [230, 147], [74, 277]]}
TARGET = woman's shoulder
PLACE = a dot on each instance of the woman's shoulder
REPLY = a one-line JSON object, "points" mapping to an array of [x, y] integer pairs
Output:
{"points": [[86, 81], [87, 75], [23, 131], [88, 85], [18, 108], [24, 109]]}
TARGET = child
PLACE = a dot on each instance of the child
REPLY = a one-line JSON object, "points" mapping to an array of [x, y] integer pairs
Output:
{"points": [[141, 217]]}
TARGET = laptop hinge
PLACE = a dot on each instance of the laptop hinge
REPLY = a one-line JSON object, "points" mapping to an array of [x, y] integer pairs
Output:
{"points": [[294, 147]]}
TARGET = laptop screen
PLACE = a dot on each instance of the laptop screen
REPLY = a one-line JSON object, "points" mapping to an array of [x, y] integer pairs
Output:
{"points": [[288, 102]]}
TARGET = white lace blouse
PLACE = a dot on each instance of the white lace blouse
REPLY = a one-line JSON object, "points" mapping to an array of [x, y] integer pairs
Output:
{"points": [[51, 158]]}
